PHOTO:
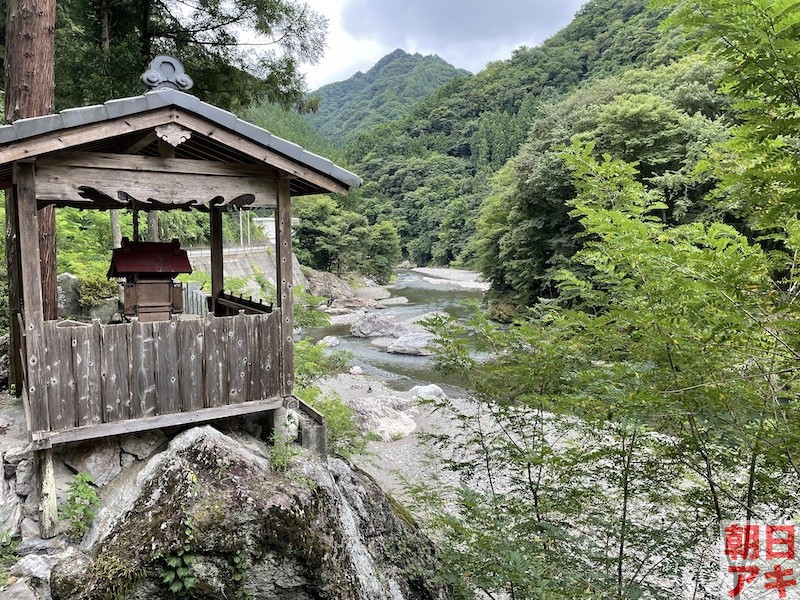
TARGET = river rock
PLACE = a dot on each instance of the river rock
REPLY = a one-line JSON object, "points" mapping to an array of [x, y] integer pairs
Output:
{"points": [[329, 341], [373, 325], [382, 342], [356, 370], [328, 285], [376, 415], [373, 293], [321, 530], [415, 344], [427, 392]]}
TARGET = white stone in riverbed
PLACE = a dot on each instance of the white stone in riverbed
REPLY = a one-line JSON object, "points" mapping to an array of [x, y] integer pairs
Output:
{"points": [[415, 344], [356, 370], [427, 392], [329, 341], [373, 293], [376, 415]]}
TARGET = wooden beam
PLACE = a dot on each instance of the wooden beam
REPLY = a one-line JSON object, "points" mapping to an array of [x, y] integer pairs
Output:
{"points": [[44, 439], [217, 268], [283, 256], [84, 134], [260, 153], [141, 141], [58, 184]]}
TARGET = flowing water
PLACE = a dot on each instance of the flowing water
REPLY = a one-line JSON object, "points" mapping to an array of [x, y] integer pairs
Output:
{"points": [[425, 294]]}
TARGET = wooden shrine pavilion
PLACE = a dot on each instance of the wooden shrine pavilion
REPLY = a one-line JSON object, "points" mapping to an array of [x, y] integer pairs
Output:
{"points": [[163, 150]]}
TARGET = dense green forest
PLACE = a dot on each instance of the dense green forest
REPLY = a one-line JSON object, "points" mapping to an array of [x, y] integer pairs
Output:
{"points": [[647, 225], [384, 93], [430, 171]]}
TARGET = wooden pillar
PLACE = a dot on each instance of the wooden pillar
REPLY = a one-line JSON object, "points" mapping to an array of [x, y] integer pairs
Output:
{"points": [[14, 291], [283, 256], [217, 267], [33, 307]]}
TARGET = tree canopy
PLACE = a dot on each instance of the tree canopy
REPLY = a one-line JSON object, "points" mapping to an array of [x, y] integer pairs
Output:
{"points": [[236, 52]]}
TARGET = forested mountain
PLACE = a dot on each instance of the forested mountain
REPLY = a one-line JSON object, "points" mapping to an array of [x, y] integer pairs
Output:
{"points": [[384, 93], [429, 171]]}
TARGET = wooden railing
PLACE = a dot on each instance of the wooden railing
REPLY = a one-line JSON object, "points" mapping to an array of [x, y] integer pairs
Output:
{"points": [[92, 375]]}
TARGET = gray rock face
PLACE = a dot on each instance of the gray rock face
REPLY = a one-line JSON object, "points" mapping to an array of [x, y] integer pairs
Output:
{"points": [[69, 295], [373, 293], [99, 458], [19, 591], [321, 531], [10, 509], [142, 445]]}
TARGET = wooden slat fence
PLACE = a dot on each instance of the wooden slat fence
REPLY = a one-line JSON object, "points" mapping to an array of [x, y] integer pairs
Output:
{"points": [[195, 300], [96, 374]]}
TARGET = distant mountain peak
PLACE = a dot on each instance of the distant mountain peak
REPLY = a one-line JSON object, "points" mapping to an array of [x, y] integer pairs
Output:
{"points": [[383, 93]]}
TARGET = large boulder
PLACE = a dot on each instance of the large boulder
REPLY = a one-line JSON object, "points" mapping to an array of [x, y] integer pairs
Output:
{"points": [[327, 285], [317, 531]]}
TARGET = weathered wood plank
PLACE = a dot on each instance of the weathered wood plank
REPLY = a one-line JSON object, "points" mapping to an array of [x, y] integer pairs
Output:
{"points": [[215, 362], [51, 369], [269, 332], [143, 370], [116, 366], [254, 354], [157, 164], [59, 184], [192, 382], [86, 362], [283, 245], [31, 294], [157, 422], [167, 366], [238, 370], [66, 374], [62, 139]]}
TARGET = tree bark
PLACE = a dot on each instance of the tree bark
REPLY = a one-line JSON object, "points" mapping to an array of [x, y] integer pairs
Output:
{"points": [[29, 92]]}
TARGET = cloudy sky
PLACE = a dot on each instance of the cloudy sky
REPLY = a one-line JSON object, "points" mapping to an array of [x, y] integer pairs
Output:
{"points": [[466, 33]]}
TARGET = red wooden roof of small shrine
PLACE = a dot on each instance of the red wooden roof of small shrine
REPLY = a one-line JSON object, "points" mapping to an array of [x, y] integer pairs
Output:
{"points": [[149, 258]]}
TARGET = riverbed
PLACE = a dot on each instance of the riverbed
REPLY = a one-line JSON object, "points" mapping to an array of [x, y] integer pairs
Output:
{"points": [[428, 290]]}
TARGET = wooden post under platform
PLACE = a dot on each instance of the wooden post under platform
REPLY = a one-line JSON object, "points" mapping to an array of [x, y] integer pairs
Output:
{"points": [[33, 310], [283, 258]]}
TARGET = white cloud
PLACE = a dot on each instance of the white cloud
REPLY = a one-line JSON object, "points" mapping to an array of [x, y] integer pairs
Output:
{"points": [[467, 34]]}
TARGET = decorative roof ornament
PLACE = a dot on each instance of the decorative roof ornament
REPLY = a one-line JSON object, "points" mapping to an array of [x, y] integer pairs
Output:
{"points": [[166, 72]]}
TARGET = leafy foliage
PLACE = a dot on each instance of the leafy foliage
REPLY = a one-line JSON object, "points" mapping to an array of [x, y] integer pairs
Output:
{"points": [[662, 119], [429, 171], [79, 509], [331, 238], [103, 48]]}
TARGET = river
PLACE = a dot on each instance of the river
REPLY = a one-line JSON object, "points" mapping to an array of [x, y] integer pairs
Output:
{"points": [[426, 292]]}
